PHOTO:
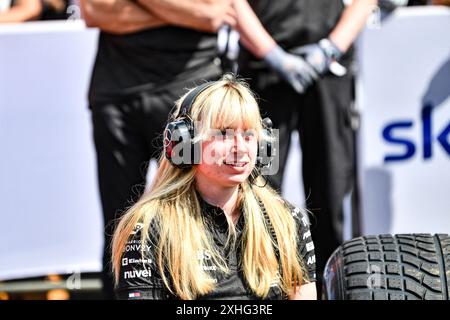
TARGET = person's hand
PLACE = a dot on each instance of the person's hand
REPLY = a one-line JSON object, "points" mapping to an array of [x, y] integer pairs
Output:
{"points": [[210, 15], [202, 15], [319, 55], [292, 68]]}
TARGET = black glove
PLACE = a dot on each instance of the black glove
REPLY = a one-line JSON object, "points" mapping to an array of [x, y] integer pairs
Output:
{"points": [[292, 68]]}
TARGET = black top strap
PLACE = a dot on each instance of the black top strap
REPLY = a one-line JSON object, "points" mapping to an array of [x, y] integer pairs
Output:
{"points": [[189, 100]]}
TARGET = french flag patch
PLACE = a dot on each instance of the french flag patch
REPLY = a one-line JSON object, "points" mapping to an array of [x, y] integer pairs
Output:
{"points": [[134, 294]]}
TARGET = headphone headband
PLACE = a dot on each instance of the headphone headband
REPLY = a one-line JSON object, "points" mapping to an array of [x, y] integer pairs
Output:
{"points": [[189, 100], [184, 127]]}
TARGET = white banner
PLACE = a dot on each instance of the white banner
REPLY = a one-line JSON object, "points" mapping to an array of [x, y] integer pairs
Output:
{"points": [[50, 218], [403, 91]]}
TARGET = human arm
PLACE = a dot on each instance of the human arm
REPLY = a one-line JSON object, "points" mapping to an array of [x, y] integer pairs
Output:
{"points": [[23, 10], [352, 21], [304, 292], [322, 54], [118, 16], [202, 15], [293, 69]]}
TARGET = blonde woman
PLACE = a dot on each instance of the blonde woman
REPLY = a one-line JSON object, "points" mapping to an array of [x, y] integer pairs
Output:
{"points": [[211, 228]]}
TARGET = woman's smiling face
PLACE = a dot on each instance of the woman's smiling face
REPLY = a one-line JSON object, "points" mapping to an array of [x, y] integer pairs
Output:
{"points": [[228, 126], [228, 156]]}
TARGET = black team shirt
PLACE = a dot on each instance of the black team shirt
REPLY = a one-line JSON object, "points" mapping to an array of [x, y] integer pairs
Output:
{"points": [[150, 60], [142, 280]]}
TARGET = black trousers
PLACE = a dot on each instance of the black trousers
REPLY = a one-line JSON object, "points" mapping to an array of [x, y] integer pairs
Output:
{"points": [[127, 135], [322, 118]]}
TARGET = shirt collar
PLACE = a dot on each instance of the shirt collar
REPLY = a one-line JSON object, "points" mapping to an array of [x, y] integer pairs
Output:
{"points": [[217, 215]]}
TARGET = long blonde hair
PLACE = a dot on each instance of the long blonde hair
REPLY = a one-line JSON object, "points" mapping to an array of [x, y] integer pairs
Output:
{"points": [[172, 203]]}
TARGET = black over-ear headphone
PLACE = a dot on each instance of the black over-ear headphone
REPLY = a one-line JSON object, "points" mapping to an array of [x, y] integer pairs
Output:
{"points": [[180, 133]]}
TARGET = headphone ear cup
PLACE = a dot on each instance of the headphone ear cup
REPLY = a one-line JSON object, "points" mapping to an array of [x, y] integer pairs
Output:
{"points": [[178, 139], [265, 153], [266, 150], [181, 131]]}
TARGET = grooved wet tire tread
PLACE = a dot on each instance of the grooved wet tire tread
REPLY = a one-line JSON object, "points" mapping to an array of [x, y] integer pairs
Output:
{"points": [[400, 267]]}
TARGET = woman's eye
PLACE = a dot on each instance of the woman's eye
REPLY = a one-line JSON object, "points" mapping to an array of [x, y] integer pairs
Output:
{"points": [[231, 133], [249, 136], [227, 133], [218, 134]]}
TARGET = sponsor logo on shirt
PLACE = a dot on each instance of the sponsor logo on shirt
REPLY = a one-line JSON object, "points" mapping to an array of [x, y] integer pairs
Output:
{"points": [[307, 234], [137, 228], [305, 221], [311, 260], [205, 257], [136, 246], [134, 294], [296, 212], [143, 273], [127, 261], [209, 268], [309, 246]]}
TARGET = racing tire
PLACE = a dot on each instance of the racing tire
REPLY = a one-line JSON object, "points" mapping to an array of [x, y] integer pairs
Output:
{"points": [[386, 267]]}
